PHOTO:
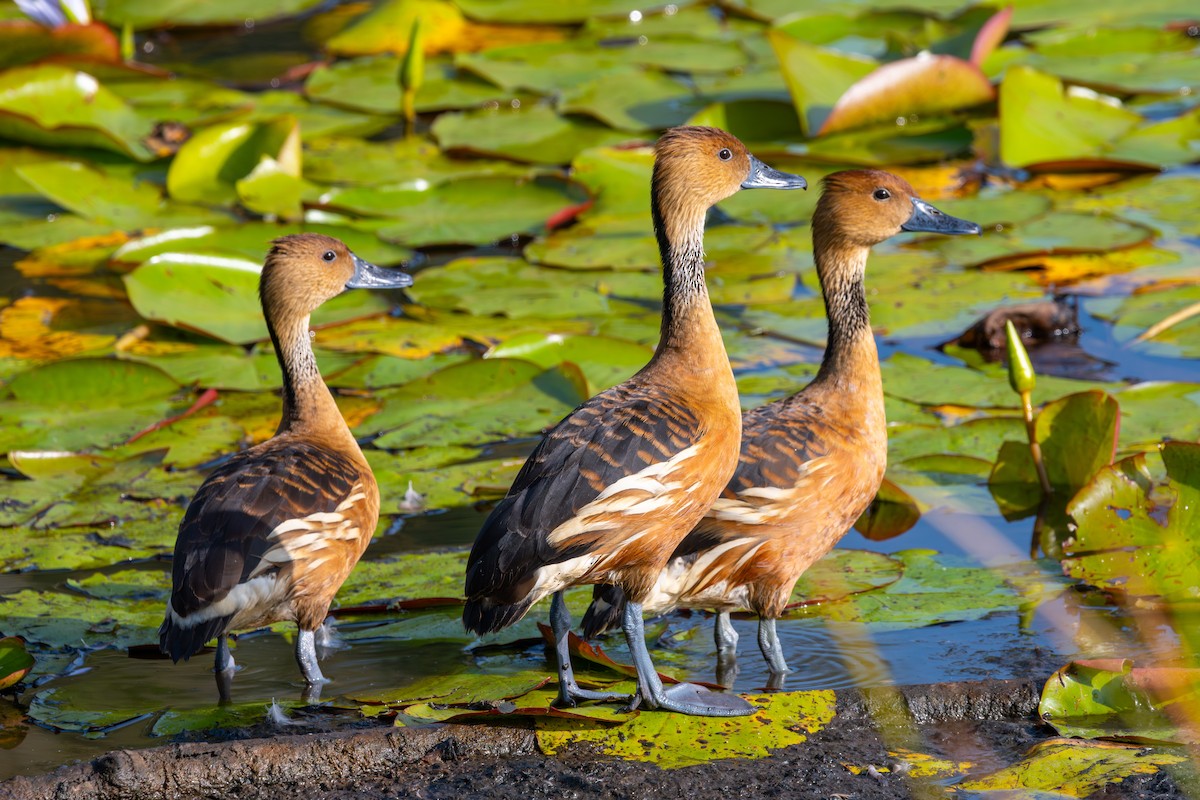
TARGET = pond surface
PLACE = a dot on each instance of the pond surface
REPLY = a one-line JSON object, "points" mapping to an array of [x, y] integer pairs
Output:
{"points": [[521, 206]]}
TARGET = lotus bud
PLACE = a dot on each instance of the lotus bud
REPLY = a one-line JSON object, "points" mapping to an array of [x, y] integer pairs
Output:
{"points": [[1021, 376]]}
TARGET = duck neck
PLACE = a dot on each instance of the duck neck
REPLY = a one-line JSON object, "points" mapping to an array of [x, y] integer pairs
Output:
{"points": [[308, 405], [850, 351], [689, 329]]}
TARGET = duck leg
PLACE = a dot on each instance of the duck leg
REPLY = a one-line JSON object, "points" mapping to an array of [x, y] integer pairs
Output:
{"points": [[685, 698], [772, 650], [306, 657], [223, 668], [724, 634], [568, 690]]}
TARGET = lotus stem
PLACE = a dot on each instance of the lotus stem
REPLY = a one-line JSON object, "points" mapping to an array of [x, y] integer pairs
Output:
{"points": [[128, 45]]}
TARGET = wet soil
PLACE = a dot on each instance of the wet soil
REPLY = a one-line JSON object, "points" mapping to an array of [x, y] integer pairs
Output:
{"points": [[973, 721]]}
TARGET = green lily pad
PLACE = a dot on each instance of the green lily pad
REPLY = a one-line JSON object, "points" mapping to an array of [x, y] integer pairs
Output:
{"points": [[142, 14], [1139, 312], [634, 100], [240, 715], [209, 165], [816, 77], [110, 200], [1055, 233], [370, 84], [466, 211], [843, 573], [508, 286], [56, 619], [1111, 698], [416, 576], [672, 740], [1041, 121], [491, 414], [412, 162], [535, 134], [1135, 528], [545, 12], [381, 372], [1144, 407], [936, 589], [752, 120], [56, 105], [58, 710], [605, 361]]}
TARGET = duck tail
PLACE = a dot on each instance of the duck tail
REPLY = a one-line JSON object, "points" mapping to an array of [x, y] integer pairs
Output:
{"points": [[181, 639], [606, 610], [483, 615]]}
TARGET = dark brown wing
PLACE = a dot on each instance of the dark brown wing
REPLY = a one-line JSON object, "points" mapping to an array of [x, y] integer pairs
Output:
{"points": [[615, 434], [777, 440], [224, 533]]}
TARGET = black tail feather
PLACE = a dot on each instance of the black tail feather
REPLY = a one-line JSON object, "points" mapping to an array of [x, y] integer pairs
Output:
{"points": [[606, 610], [183, 642], [484, 616]]}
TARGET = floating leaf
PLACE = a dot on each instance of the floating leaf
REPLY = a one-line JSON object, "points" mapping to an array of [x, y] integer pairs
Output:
{"points": [[604, 360], [1135, 529], [369, 84], [207, 168], [211, 718], [843, 573], [816, 77], [57, 105], [58, 710], [467, 211], [15, 661], [25, 41], [1042, 121], [926, 84], [537, 134], [142, 14], [415, 576], [1072, 769], [674, 740], [1111, 698]]}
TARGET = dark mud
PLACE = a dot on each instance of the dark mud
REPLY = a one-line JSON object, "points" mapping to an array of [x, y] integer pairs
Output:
{"points": [[989, 723]]}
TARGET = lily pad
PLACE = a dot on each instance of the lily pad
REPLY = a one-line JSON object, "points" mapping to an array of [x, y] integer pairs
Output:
{"points": [[25, 41], [57, 105], [143, 14], [605, 361], [1072, 769], [58, 710], [843, 573], [209, 165], [1136, 528], [534, 134], [816, 77], [1111, 698], [926, 84], [15, 661], [466, 211], [416, 576], [240, 715], [370, 84], [673, 740]]}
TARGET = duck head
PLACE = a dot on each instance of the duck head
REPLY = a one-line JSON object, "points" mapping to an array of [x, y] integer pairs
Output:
{"points": [[865, 207], [696, 167], [304, 270]]}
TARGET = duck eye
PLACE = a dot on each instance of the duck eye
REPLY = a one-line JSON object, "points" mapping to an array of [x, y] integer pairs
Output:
{"points": [[725, 154], [329, 256], [882, 194]]}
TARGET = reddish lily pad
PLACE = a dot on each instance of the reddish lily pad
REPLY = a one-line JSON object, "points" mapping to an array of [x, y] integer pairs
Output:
{"points": [[925, 84]]}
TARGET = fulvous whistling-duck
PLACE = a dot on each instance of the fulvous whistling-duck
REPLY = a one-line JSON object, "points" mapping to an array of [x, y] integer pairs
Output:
{"points": [[273, 533], [611, 491], [810, 463]]}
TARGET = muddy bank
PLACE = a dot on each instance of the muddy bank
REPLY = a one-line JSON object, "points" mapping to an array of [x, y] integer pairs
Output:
{"points": [[970, 721]]}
